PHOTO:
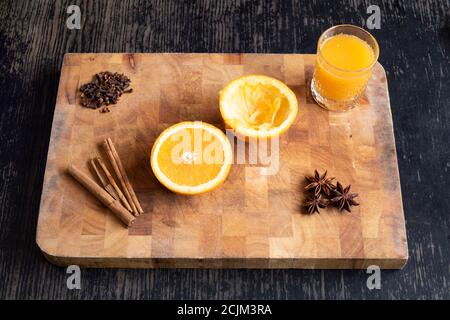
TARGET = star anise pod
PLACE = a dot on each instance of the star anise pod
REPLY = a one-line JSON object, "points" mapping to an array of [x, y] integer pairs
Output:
{"points": [[320, 183], [343, 198], [314, 204]]}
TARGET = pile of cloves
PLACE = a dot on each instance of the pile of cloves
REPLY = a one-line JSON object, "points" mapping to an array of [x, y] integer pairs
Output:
{"points": [[322, 193], [105, 89]]}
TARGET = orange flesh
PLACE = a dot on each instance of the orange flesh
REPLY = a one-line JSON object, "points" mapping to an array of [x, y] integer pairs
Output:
{"points": [[258, 106], [191, 158]]}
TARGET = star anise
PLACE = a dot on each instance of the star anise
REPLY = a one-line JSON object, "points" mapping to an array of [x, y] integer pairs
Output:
{"points": [[320, 183], [343, 198], [314, 204]]}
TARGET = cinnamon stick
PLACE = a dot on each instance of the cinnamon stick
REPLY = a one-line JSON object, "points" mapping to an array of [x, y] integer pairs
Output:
{"points": [[114, 205], [114, 184], [125, 177], [97, 172], [115, 166], [106, 185], [122, 175]]}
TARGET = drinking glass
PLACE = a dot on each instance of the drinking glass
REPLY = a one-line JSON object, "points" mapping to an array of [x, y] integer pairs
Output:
{"points": [[343, 66]]}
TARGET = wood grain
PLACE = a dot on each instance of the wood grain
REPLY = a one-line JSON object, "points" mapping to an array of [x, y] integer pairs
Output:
{"points": [[34, 39], [357, 146]]}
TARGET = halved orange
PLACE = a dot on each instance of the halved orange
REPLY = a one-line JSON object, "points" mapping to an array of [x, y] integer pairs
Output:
{"points": [[258, 106], [191, 157]]}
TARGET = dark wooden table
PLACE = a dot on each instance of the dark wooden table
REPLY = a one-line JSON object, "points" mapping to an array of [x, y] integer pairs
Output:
{"points": [[415, 49]]}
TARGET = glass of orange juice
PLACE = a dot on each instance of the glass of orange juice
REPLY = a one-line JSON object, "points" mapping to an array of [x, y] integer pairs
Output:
{"points": [[345, 58]]}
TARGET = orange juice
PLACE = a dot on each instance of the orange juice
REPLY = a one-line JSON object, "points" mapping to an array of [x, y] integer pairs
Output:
{"points": [[345, 58], [339, 72]]}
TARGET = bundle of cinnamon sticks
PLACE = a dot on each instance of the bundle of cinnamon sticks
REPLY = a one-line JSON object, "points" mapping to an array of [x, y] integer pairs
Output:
{"points": [[122, 200]]}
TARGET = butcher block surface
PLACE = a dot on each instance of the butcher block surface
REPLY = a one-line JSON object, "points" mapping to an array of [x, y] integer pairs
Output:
{"points": [[252, 220]]}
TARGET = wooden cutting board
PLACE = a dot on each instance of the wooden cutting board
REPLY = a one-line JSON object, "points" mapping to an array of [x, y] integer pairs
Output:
{"points": [[252, 220]]}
